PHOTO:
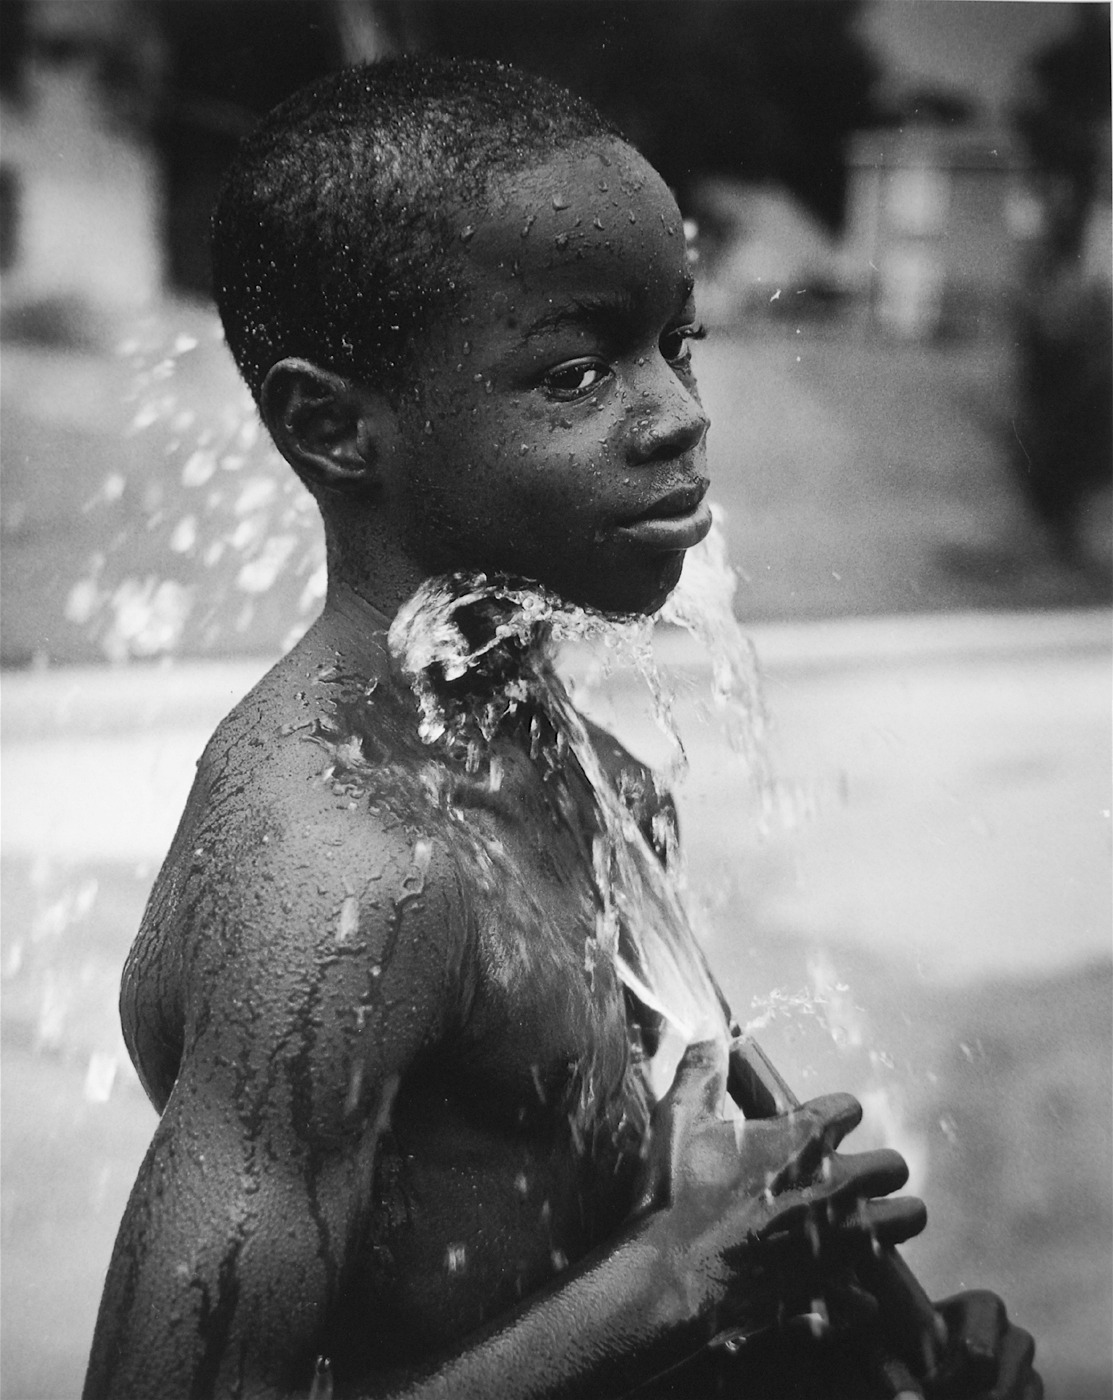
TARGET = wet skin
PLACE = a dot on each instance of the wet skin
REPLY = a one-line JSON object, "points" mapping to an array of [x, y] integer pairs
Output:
{"points": [[581, 461], [392, 1132]]}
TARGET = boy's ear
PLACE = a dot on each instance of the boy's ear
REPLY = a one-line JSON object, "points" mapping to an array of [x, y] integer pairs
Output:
{"points": [[332, 431]]}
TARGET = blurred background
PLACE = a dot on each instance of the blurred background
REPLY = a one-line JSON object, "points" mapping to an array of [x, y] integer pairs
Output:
{"points": [[902, 213]]}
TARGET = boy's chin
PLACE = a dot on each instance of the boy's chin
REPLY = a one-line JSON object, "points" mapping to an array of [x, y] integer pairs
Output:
{"points": [[635, 595]]}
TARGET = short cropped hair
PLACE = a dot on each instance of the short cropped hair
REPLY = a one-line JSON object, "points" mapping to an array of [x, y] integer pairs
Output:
{"points": [[335, 230]]}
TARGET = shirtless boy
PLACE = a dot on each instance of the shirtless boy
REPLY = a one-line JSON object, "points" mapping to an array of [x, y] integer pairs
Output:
{"points": [[403, 1147]]}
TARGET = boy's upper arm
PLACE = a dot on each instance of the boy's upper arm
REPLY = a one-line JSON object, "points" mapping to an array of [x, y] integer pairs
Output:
{"points": [[310, 988], [336, 948]]}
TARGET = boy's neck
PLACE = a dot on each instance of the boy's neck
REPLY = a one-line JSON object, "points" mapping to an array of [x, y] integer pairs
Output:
{"points": [[354, 626]]}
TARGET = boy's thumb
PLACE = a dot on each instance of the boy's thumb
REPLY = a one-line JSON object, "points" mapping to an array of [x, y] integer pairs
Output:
{"points": [[697, 1092], [701, 1076]]}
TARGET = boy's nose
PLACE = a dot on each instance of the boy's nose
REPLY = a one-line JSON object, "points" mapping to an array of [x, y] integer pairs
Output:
{"points": [[668, 419]]}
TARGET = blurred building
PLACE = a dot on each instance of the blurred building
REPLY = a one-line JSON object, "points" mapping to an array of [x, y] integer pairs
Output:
{"points": [[939, 223], [80, 190]]}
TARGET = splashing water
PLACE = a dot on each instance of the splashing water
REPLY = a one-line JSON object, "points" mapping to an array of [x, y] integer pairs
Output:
{"points": [[209, 513], [223, 517], [641, 923]]}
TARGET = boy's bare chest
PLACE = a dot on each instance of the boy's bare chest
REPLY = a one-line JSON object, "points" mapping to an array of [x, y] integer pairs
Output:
{"points": [[516, 1148], [546, 1018]]}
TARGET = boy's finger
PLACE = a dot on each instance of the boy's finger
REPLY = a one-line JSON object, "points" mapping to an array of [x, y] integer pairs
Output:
{"points": [[864, 1174], [890, 1222], [1015, 1379], [977, 1325], [837, 1114], [819, 1125]]}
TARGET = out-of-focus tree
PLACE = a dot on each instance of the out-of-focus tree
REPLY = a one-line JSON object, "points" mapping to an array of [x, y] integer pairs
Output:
{"points": [[1063, 120], [226, 62], [768, 90], [764, 89], [13, 47], [1064, 424]]}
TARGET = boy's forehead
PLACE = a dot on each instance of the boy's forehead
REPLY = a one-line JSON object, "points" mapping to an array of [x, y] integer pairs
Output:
{"points": [[593, 214]]}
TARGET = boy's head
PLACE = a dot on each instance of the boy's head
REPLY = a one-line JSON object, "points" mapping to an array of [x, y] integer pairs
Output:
{"points": [[469, 336], [339, 227]]}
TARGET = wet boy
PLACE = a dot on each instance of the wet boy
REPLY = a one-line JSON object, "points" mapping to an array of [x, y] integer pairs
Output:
{"points": [[403, 1146]]}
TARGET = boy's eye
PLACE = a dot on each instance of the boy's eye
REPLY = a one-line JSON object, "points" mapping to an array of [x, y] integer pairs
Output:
{"points": [[675, 345], [573, 381]]}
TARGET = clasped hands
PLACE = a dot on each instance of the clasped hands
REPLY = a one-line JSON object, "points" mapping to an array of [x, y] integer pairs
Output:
{"points": [[768, 1230]]}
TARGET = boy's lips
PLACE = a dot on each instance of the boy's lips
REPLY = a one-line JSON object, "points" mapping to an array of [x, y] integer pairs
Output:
{"points": [[677, 521]]}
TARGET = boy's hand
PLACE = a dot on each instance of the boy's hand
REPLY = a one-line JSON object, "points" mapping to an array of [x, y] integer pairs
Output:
{"points": [[759, 1226], [987, 1358]]}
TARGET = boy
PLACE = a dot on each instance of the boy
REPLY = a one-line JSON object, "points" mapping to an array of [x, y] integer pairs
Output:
{"points": [[406, 1145]]}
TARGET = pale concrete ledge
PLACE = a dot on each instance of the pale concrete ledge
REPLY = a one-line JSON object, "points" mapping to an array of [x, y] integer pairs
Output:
{"points": [[91, 700]]}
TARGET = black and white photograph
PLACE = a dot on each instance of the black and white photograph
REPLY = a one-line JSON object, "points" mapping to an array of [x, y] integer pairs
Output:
{"points": [[556, 700]]}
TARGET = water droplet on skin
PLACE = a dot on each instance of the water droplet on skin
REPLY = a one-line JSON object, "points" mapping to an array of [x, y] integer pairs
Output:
{"points": [[322, 1389], [355, 1083], [349, 918]]}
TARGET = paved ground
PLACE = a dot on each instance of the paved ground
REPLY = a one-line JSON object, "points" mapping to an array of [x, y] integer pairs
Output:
{"points": [[932, 931]]}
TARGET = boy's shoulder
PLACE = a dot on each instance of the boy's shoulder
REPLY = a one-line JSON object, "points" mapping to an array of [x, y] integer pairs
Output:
{"points": [[274, 803], [281, 881]]}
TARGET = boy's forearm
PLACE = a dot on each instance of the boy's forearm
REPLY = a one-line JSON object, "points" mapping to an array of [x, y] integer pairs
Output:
{"points": [[613, 1322], [616, 1320]]}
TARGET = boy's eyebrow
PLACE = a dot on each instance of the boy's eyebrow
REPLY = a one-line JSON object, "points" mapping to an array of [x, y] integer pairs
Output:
{"points": [[607, 312]]}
